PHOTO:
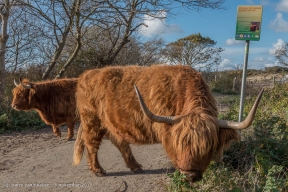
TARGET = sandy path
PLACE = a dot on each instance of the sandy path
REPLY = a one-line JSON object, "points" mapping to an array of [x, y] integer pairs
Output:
{"points": [[38, 161]]}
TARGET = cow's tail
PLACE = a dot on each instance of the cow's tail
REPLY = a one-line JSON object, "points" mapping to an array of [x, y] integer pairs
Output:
{"points": [[78, 147]]}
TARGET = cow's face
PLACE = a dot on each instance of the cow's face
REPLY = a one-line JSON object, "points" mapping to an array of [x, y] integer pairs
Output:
{"points": [[192, 167], [22, 98]]}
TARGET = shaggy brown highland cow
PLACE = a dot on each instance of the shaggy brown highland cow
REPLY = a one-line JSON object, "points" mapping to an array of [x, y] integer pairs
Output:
{"points": [[188, 129]]}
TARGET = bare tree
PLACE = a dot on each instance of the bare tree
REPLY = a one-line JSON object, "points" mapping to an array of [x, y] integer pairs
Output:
{"points": [[129, 15], [58, 19], [22, 41], [151, 51], [95, 51], [17, 50], [4, 15], [281, 54], [51, 24]]}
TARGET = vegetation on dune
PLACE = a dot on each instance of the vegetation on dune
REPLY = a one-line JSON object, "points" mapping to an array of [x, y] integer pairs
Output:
{"points": [[259, 162]]}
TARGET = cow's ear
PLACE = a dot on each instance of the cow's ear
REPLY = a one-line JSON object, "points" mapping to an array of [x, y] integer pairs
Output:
{"points": [[226, 136], [31, 94]]}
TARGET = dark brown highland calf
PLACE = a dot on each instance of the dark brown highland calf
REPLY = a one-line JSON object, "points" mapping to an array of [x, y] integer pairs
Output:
{"points": [[55, 102], [189, 128]]}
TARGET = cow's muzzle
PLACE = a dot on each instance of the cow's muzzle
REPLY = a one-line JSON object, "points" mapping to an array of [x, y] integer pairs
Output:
{"points": [[14, 105], [192, 176]]}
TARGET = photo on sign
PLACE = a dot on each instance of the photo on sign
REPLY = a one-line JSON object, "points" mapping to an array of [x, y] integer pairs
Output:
{"points": [[255, 26]]}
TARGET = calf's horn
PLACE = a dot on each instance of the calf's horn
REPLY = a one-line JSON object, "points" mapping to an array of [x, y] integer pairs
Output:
{"points": [[15, 83], [222, 123]]}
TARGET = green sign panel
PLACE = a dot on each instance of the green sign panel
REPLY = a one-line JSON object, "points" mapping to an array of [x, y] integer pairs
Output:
{"points": [[248, 26]]}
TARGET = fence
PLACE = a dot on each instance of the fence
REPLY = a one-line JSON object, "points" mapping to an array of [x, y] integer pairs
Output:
{"points": [[256, 83]]}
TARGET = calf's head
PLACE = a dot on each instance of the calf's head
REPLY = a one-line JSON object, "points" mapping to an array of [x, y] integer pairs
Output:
{"points": [[23, 95]]}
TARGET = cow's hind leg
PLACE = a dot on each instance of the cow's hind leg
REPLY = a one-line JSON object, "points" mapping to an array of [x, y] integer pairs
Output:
{"points": [[92, 136], [56, 131], [70, 125], [127, 154]]}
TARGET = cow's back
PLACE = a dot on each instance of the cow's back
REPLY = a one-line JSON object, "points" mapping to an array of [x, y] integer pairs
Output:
{"points": [[109, 94]]}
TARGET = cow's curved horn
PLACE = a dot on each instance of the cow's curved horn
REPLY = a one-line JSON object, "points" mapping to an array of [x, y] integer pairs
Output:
{"points": [[160, 119], [28, 86], [15, 83], [247, 122], [222, 123]]}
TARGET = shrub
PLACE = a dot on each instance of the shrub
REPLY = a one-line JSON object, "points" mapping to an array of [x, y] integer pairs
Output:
{"points": [[224, 83], [19, 120]]}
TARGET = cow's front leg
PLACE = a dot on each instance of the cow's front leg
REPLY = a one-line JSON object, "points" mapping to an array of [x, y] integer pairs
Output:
{"points": [[92, 139], [127, 154], [56, 131]]}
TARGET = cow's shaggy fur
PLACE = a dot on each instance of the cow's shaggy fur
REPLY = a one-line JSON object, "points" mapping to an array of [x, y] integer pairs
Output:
{"points": [[106, 101]]}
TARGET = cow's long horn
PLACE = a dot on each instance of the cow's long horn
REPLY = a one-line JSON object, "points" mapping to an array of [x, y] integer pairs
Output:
{"points": [[247, 122], [160, 119], [28, 86], [15, 83]]}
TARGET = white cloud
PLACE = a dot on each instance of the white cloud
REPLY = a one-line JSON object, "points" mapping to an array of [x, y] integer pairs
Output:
{"points": [[262, 62], [234, 42], [240, 50], [264, 2], [260, 2], [226, 64], [229, 51], [158, 25], [271, 64], [279, 24], [256, 63], [259, 59], [282, 6], [280, 43]]}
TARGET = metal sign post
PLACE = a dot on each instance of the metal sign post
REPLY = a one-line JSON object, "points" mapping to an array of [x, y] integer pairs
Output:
{"points": [[243, 84], [248, 25]]}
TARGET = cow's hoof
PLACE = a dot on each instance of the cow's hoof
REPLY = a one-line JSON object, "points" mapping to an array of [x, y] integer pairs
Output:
{"points": [[69, 138], [57, 134], [138, 170], [98, 174]]}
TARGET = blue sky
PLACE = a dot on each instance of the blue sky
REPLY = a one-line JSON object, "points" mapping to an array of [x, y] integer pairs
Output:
{"points": [[220, 25]]}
